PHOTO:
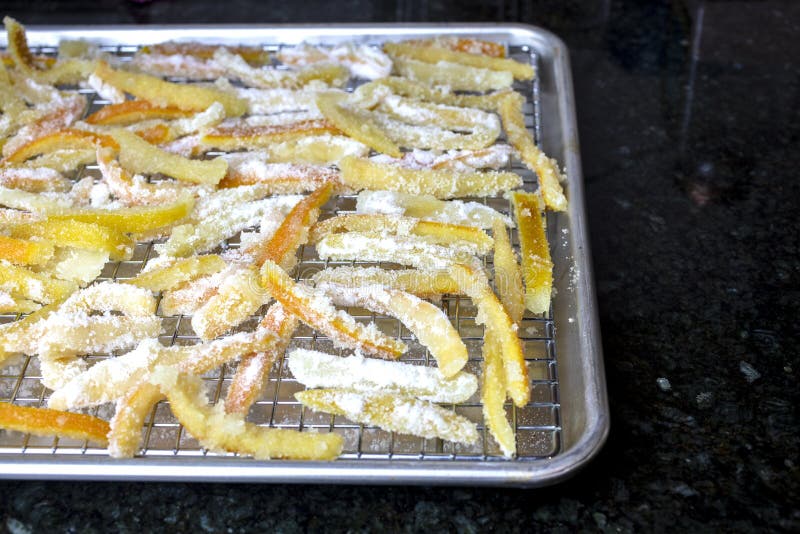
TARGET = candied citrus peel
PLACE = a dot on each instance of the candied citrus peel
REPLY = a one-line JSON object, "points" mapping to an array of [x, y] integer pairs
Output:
{"points": [[217, 430], [240, 136], [356, 123], [47, 422], [252, 54], [133, 111], [362, 173], [473, 283], [178, 272], [314, 309], [138, 156], [125, 428], [293, 231], [550, 177], [162, 93], [253, 368], [396, 413], [440, 233], [318, 369], [68, 138], [537, 267], [25, 252], [463, 44], [507, 275], [74, 233], [18, 44], [415, 281], [455, 76], [428, 323], [435, 54], [493, 395], [30, 285], [133, 219]]}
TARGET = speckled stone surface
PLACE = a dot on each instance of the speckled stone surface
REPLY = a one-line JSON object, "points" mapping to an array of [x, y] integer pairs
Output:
{"points": [[689, 116]]}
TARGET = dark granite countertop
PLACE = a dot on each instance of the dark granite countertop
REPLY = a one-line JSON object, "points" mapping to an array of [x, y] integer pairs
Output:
{"points": [[689, 117]]}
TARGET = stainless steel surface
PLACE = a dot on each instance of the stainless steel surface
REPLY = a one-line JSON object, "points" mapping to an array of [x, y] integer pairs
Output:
{"points": [[560, 430]]}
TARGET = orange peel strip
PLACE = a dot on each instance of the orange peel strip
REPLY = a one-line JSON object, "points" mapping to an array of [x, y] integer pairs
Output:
{"points": [[134, 191], [68, 138], [412, 250], [435, 54], [421, 283], [316, 369], [455, 76], [18, 44], [40, 287], [316, 149], [216, 430], [66, 161], [254, 368], [420, 91], [25, 252], [537, 267], [77, 234], [428, 208], [245, 136], [493, 395], [361, 173], [491, 313], [251, 54], [395, 413], [428, 323], [125, 428], [507, 275], [47, 422], [139, 156], [161, 93], [178, 272], [279, 178], [463, 44], [133, 219], [440, 233], [293, 231], [356, 123], [550, 177], [132, 111], [34, 180], [316, 310]]}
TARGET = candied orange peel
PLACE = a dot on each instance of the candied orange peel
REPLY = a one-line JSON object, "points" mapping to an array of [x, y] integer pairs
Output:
{"points": [[473, 283], [47, 422], [163, 93], [537, 267], [314, 309], [220, 172], [69, 138], [133, 111]]}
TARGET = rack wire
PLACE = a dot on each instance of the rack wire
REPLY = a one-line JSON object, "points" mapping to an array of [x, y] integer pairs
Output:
{"points": [[537, 424]]}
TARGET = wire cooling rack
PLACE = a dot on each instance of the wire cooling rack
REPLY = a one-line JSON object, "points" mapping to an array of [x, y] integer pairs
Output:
{"points": [[537, 425]]}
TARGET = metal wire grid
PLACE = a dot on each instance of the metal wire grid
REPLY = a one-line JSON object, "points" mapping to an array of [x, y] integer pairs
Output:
{"points": [[537, 425]]}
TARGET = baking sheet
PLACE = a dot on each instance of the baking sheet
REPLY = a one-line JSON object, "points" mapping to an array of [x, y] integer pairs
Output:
{"points": [[557, 432]]}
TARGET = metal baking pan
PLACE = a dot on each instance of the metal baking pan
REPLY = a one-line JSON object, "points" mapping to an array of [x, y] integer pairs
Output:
{"points": [[558, 432]]}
